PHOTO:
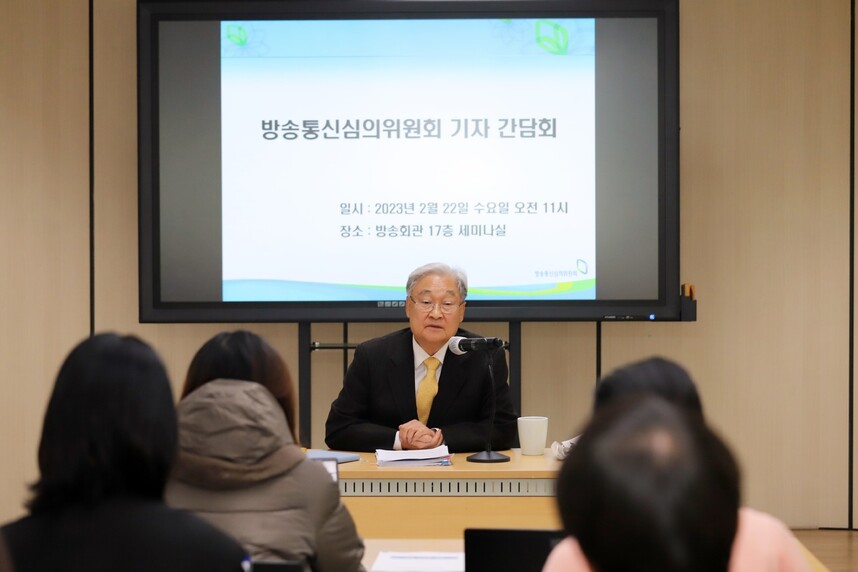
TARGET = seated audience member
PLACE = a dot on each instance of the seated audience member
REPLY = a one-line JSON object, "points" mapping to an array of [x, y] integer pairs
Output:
{"points": [[108, 440], [240, 468], [648, 488], [651, 478], [406, 391]]}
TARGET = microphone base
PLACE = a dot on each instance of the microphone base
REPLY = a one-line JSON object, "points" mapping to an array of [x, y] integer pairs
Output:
{"points": [[488, 457]]}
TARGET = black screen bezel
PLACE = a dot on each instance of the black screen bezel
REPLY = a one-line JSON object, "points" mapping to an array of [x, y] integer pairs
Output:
{"points": [[152, 309]]}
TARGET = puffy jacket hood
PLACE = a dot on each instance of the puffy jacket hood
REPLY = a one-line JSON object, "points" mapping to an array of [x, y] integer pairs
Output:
{"points": [[232, 434]]}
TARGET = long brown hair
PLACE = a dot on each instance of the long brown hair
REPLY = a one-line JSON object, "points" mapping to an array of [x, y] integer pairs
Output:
{"points": [[244, 355]]}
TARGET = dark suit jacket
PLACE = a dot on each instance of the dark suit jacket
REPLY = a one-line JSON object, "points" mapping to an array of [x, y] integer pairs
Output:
{"points": [[378, 396]]}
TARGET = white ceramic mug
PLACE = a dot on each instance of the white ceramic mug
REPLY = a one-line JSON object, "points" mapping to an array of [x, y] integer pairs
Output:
{"points": [[532, 434]]}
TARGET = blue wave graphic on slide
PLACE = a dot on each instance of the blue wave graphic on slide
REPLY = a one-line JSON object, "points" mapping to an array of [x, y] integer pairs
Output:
{"points": [[292, 291]]}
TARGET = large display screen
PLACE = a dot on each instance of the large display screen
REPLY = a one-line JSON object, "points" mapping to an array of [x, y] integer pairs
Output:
{"points": [[299, 159]]}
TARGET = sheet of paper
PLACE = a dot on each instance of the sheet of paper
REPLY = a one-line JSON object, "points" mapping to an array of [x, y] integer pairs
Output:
{"points": [[390, 455], [419, 562], [340, 456]]}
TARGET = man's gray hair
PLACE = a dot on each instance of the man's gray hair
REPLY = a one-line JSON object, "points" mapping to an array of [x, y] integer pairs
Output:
{"points": [[439, 269]]}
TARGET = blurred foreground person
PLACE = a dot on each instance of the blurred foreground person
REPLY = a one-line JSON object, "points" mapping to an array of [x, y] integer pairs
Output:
{"points": [[108, 440], [650, 487]]}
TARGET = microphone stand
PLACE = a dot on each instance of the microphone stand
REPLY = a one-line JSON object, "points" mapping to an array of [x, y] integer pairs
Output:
{"points": [[489, 456]]}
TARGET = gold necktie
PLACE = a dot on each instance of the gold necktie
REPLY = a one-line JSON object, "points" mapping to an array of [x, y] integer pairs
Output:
{"points": [[427, 389]]}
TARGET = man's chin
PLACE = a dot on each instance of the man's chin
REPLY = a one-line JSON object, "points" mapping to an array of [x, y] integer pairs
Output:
{"points": [[434, 336]]}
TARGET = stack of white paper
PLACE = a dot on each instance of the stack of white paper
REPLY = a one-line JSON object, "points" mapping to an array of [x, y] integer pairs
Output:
{"points": [[439, 456]]}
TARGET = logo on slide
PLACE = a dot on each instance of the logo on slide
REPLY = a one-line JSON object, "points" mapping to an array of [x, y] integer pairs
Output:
{"points": [[582, 266], [236, 34], [551, 37]]}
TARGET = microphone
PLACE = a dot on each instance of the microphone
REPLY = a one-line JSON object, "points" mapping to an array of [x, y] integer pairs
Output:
{"points": [[459, 345], [489, 346]]}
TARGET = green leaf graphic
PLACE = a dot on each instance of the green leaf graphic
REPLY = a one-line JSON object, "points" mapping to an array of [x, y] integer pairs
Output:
{"points": [[551, 37], [236, 34]]}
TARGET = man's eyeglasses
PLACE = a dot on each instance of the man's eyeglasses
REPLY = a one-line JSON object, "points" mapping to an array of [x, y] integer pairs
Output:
{"points": [[426, 306]]}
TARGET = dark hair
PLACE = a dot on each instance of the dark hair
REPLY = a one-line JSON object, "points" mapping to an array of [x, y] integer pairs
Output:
{"points": [[654, 376], [243, 355], [649, 487], [110, 426]]}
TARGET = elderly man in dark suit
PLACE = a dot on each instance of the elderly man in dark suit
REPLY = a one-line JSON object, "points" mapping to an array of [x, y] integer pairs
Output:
{"points": [[406, 391]]}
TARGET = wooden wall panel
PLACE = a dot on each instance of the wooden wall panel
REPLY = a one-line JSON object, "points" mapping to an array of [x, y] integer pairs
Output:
{"points": [[558, 375], [44, 220], [765, 223]]}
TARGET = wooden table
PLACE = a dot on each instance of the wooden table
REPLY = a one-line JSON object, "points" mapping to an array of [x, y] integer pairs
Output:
{"points": [[441, 502]]}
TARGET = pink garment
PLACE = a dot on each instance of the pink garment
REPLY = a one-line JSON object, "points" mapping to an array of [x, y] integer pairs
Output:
{"points": [[762, 544], [567, 557]]}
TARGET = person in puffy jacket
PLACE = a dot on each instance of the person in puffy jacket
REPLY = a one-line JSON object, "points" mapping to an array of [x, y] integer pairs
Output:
{"points": [[239, 466]]}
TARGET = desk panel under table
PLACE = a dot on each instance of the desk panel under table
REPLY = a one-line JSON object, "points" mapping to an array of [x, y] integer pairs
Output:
{"points": [[441, 502]]}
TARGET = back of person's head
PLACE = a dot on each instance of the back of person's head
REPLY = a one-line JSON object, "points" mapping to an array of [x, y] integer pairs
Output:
{"points": [[650, 487], [654, 376], [110, 426], [245, 356]]}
